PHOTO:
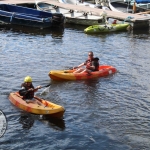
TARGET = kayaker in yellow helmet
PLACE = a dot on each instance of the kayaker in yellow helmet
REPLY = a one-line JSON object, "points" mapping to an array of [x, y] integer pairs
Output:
{"points": [[91, 64], [29, 88]]}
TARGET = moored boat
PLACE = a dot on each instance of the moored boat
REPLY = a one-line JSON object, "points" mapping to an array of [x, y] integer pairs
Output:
{"points": [[50, 109], [104, 70], [106, 28], [72, 16], [83, 3], [18, 15], [120, 6], [145, 4]]}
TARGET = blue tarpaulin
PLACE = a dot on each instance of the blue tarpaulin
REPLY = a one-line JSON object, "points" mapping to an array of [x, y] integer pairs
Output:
{"points": [[142, 1]]}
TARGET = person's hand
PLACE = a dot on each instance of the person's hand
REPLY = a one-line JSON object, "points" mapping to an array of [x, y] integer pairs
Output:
{"points": [[88, 66], [75, 67], [38, 87], [31, 89]]}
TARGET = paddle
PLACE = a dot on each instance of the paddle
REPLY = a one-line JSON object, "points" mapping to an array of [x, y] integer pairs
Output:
{"points": [[23, 92], [72, 68]]}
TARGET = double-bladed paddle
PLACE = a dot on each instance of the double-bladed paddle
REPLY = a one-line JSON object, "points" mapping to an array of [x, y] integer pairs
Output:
{"points": [[23, 92]]}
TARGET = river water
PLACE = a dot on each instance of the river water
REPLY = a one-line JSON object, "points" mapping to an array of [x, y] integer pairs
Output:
{"points": [[110, 113]]}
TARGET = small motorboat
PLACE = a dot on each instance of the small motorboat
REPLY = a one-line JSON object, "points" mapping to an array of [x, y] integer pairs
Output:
{"points": [[72, 16], [18, 15], [121, 6], [82, 3], [106, 28], [49, 108], [104, 70], [145, 4]]}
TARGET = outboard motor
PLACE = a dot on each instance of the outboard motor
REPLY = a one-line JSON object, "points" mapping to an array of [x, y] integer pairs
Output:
{"points": [[58, 19]]}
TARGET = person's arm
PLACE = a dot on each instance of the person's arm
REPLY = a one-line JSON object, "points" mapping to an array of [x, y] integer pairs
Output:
{"points": [[36, 89], [79, 66], [91, 67]]}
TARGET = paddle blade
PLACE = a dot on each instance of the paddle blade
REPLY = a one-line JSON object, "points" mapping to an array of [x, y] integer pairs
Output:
{"points": [[46, 90]]}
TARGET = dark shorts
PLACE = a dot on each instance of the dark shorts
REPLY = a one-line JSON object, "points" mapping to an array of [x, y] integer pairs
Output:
{"points": [[31, 99], [90, 70]]}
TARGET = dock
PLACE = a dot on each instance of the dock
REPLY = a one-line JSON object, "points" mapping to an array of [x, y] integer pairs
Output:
{"points": [[136, 20]]}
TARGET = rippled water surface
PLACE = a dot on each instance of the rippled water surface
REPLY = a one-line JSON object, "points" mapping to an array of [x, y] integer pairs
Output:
{"points": [[111, 113]]}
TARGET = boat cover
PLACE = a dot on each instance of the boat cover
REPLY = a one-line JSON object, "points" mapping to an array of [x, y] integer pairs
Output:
{"points": [[13, 14], [142, 1]]}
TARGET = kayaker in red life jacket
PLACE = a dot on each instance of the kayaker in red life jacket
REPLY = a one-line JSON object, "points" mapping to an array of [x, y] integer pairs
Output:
{"points": [[28, 86], [114, 22], [92, 64]]}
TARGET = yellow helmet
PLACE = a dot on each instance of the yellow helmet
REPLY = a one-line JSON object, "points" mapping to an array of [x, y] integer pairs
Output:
{"points": [[27, 79]]}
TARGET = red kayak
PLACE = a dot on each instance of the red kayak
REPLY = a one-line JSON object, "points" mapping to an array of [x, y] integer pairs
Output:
{"points": [[104, 70]]}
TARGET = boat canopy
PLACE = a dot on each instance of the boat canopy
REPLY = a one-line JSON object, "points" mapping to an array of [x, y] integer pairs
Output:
{"points": [[142, 1]]}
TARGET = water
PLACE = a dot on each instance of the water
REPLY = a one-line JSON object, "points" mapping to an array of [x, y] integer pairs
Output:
{"points": [[111, 113]]}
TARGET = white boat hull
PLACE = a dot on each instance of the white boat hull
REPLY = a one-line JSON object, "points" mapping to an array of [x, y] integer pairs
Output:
{"points": [[119, 6], [77, 2], [73, 17]]}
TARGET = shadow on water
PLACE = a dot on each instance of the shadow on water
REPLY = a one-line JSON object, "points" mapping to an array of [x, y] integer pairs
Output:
{"points": [[141, 31], [27, 120], [141, 34], [92, 82], [55, 123], [75, 27], [55, 32]]}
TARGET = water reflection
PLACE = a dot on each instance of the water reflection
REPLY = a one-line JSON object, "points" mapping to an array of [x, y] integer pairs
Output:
{"points": [[140, 34], [92, 82], [75, 27], [55, 123], [55, 32], [27, 120]]}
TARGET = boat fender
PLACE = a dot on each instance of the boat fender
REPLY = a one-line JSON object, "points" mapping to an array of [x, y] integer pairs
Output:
{"points": [[71, 11], [11, 18]]}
